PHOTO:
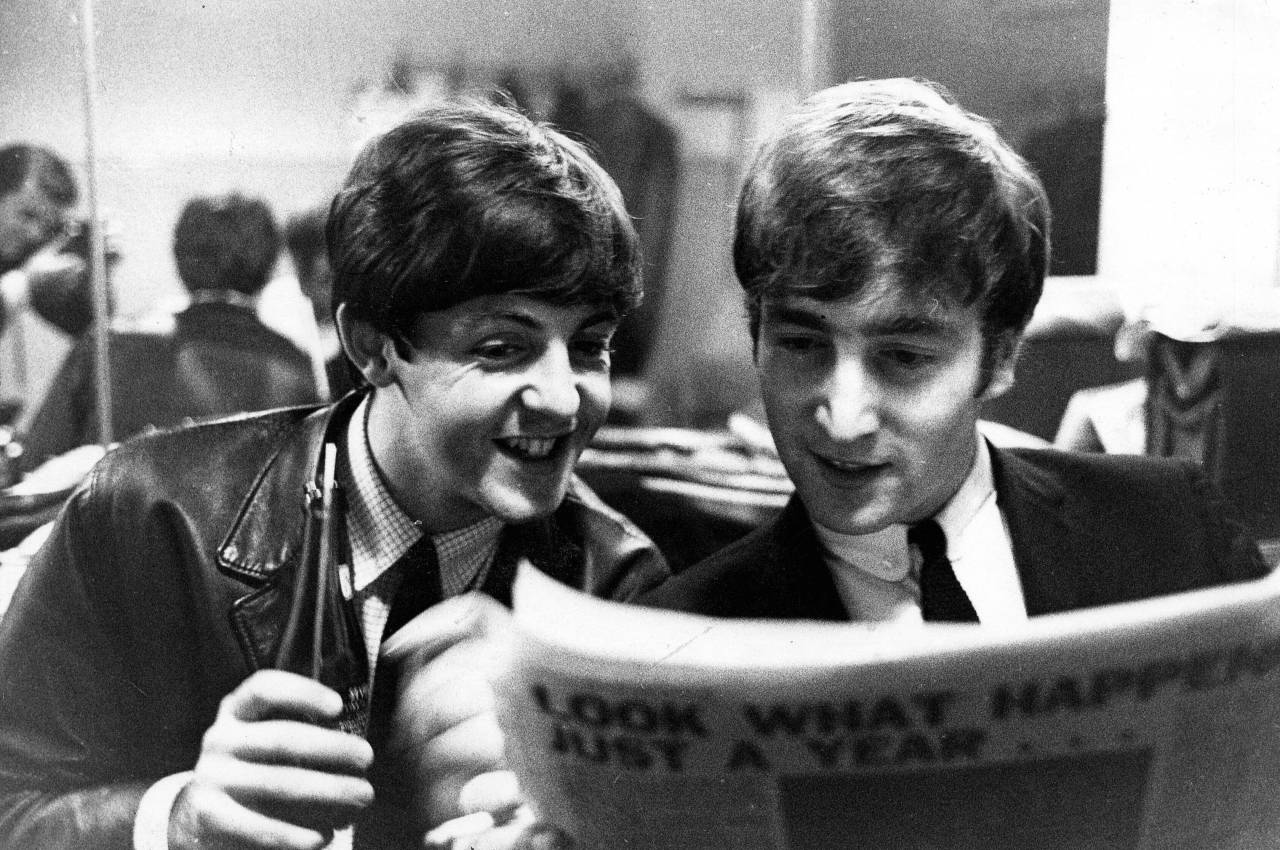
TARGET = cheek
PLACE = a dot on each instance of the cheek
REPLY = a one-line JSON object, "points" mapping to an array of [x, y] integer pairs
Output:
{"points": [[783, 390], [940, 423], [456, 416], [595, 394]]}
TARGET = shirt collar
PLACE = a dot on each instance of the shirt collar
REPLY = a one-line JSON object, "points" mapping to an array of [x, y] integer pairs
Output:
{"points": [[379, 531], [884, 553], [978, 487]]}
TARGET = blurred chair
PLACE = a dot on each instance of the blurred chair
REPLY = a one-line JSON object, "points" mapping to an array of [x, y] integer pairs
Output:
{"points": [[1108, 419], [693, 492], [1070, 345], [1217, 402]]}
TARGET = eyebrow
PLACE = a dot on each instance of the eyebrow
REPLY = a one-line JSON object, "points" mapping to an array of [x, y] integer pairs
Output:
{"points": [[902, 325], [602, 317], [527, 321], [501, 316], [909, 326]]}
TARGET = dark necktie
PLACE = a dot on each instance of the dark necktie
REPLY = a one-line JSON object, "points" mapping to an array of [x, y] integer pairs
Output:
{"points": [[941, 596], [419, 586], [388, 823]]}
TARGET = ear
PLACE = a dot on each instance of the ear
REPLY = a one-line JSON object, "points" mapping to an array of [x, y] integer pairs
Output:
{"points": [[371, 350], [1004, 359]]}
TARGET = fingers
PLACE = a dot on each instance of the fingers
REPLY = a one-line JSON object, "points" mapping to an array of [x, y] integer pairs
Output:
{"points": [[470, 616], [480, 831], [543, 836], [451, 760], [497, 791], [269, 775], [519, 834], [205, 817], [437, 697], [446, 733], [339, 798], [287, 742], [303, 786], [445, 730], [269, 694]]}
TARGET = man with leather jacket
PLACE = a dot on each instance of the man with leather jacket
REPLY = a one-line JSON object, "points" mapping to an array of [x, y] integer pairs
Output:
{"points": [[192, 659]]}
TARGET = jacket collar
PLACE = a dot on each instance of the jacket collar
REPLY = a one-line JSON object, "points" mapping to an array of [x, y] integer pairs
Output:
{"points": [[1055, 548], [1051, 529], [585, 544], [267, 530], [791, 579]]}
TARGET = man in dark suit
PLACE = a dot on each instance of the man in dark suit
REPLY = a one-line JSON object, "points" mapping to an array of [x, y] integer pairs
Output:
{"points": [[892, 248]]}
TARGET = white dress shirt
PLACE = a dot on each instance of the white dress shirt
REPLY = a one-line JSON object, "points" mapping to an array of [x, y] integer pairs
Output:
{"points": [[877, 575]]}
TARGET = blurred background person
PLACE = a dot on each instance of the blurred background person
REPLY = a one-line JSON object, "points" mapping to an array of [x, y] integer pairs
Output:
{"points": [[213, 358], [43, 252], [304, 238]]}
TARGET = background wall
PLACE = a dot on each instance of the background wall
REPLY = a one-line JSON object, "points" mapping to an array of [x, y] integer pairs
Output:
{"points": [[262, 96]]}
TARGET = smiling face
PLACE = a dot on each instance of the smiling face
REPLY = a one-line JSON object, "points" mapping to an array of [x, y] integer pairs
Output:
{"points": [[873, 402], [487, 413]]}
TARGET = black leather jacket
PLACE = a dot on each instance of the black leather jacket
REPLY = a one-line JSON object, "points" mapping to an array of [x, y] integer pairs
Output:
{"points": [[166, 582]]}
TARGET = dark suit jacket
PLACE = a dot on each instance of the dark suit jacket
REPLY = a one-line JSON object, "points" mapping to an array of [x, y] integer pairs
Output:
{"points": [[1086, 530]]}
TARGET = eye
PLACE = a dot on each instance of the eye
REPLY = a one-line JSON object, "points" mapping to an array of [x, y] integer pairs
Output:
{"points": [[500, 350], [907, 359], [799, 343], [593, 349]]}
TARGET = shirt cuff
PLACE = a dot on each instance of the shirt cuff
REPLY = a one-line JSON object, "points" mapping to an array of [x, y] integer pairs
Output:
{"points": [[151, 823]]}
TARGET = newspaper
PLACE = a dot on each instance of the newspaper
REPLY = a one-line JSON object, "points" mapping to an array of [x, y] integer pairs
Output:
{"points": [[1153, 724]]}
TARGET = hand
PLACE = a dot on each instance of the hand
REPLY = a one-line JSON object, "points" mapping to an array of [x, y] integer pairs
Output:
{"points": [[444, 730], [520, 833], [270, 772], [494, 824]]}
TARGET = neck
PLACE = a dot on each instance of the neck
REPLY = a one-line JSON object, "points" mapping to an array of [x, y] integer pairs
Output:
{"points": [[408, 479]]}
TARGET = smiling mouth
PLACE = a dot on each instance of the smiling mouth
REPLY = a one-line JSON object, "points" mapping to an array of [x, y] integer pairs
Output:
{"points": [[851, 469], [530, 448]]}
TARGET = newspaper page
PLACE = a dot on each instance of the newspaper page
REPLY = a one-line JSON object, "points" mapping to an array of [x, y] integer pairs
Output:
{"points": [[1152, 724]]}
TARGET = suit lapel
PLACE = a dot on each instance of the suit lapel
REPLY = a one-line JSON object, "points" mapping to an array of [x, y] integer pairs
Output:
{"points": [[792, 578], [263, 545], [1053, 547]]}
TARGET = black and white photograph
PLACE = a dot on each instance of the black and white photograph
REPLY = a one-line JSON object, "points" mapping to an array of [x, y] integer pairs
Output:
{"points": [[639, 424]]}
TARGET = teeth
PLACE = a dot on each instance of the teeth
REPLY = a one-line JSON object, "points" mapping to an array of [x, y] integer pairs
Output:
{"points": [[533, 447]]}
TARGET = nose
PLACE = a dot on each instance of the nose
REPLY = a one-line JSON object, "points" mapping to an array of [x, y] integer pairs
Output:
{"points": [[552, 384], [849, 408]]}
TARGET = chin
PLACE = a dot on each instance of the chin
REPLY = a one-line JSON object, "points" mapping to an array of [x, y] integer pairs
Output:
{"points": [[866, 520], [524, 507]]}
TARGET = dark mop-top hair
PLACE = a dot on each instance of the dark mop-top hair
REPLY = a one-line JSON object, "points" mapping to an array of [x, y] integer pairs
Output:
{"points": [[472, 199], [892, 178]]}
